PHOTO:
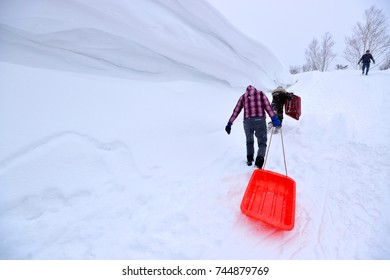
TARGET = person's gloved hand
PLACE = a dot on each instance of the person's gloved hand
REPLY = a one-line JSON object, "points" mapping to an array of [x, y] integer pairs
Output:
{"points": [[275, 121], [228, 127]]}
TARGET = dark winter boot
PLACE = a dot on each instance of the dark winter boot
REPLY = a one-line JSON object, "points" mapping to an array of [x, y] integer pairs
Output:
{"points": [[259, 162], [249, 160]]}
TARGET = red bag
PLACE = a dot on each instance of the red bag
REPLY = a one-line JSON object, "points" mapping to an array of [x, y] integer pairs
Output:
{"points": [[293, 107]]}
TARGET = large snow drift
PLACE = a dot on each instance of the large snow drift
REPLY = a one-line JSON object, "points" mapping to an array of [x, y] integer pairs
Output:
{"points": [[142, 39]]}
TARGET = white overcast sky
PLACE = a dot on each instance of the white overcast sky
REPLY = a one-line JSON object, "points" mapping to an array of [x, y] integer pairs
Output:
{"points": [[287, 27]]}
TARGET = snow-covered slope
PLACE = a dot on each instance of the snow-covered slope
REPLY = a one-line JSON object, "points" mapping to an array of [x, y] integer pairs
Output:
{"points": [[107, 167], [91, 169], [142, 39]]}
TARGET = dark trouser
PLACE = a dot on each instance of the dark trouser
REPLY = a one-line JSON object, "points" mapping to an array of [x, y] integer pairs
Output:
{"points": [[257, 127], [366, 66]]}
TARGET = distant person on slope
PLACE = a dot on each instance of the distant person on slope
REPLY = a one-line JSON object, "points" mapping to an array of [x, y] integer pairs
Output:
{"points": [[366, 59], [255, 103], [279, 98]]}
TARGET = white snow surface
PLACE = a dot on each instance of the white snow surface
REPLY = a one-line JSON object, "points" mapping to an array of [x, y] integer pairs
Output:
{"points": [[142, 39], [113, 146]]}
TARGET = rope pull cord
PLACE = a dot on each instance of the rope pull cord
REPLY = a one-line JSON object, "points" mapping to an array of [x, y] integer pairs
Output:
{"points": [[269, 146]]}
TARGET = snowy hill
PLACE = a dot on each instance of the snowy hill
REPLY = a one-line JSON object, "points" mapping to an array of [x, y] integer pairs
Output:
{"points": [[94, 165], [144, 39]]}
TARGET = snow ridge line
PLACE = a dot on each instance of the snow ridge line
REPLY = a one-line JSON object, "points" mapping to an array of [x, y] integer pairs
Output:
{"points": [[53, 141]]}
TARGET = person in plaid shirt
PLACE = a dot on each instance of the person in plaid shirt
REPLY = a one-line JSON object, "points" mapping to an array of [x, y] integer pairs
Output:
{"points": [[255, 103]]}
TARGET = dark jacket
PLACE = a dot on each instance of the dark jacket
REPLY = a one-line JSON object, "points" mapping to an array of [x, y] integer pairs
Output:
{"points": [[366, 58], [279, 98]]}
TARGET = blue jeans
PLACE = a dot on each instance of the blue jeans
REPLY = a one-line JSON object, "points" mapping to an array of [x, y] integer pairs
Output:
{"points": [[366, 66], [255, 127]]}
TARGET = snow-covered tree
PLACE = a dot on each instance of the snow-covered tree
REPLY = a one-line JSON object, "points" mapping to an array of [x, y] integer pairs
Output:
{"points": [[320, 55], [295, 69]]}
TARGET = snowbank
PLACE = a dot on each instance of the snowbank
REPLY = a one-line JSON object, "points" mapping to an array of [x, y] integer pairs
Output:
{"points": [[152, 40]]}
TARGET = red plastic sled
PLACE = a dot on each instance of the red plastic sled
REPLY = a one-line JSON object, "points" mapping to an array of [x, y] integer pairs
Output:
{"points": [[270, 197], [293, 107]]}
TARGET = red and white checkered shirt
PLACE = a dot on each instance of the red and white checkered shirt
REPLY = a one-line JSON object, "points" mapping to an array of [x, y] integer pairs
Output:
{"points": [[254, 103]]}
